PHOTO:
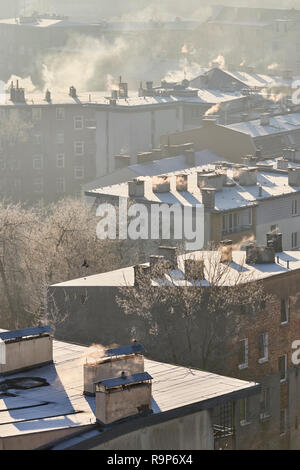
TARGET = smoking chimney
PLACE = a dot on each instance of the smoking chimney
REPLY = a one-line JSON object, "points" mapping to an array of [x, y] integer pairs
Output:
{"points": [[274, 240], [127, 358]]}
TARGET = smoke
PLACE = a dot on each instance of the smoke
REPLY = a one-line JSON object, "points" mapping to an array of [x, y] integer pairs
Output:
{"points": [[85, 63], [23, 82], [218, 61], [213, 110], [95, 353], [273, 67], [185, 70]]}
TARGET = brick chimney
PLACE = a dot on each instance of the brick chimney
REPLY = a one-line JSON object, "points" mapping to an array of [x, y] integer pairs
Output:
{"points": [[170, 255], [123, 397], [274, 240], [136, 188], [260, 254], [226, 251], [208, 198]]}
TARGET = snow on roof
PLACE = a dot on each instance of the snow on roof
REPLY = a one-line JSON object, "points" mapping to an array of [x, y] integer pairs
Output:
{"points": [[237, 272], [273, 183], [278, 124], [153, 168]]}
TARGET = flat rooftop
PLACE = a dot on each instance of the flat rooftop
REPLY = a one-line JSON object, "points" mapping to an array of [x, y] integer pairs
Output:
{"points": [[204, 97], [273, 183], [62, 404], [224, 275]]}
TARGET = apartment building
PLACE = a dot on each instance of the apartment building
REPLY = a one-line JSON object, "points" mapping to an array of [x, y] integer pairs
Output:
{"points": [[270, 32], [242, 201], [261, 349], [128, 124], [47, 144]]}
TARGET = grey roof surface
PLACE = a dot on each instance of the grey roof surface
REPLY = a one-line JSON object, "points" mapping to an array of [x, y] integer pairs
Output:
{"points": [[63, 405], [13, 334]]}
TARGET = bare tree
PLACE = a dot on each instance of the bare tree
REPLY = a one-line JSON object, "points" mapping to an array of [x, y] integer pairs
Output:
{"points": [[188, 318]]}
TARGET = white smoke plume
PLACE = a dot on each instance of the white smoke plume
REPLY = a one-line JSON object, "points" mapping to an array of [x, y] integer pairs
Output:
{"points": [[213, 110]]}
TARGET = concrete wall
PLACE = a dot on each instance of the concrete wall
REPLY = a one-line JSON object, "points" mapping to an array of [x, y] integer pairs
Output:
{"points": [[132, 131], [113, 405], [27, 353], [35, 440], [192, 432], [278, 212], [227, 143]]}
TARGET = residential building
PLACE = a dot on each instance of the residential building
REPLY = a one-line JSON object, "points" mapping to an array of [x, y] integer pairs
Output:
{"points": [[243, 201], [261, 349], [260, 36], [47, 145], [44, 398]]}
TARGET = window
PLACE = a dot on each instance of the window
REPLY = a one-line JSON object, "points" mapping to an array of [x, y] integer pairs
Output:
{"points": [[79, 148], [243, 354], [244, 411], [60, 160], [60, 114], [90, 124], [294, 240], [37, 139], [38, 163], [284, 311], [36, 114], [61, 185], [78, 123], [282, 367], [38, 185], [283, 421], [60, 138], [265, 404], [263, 348], [294, 207], [78, 173]]}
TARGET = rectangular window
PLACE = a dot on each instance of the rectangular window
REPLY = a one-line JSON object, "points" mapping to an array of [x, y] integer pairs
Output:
{"points": [[78, 123], [36, 114], [79, 148], [283, 421], [37, 139], [61, 185], [294, 240], [282, 367], [244, 411], [60, 114], [78, 173], [60, 160], [90, 124], [294, 207], [263, 348], [284, 311], [265, 404], [60, 138], [38, 185], [38, 163], [243, 354]]}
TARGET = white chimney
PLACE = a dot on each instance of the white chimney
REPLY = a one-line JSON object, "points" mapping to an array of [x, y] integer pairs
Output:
{"points": [[25, 349], [136, 188], [123, 397], [129, 359]]}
